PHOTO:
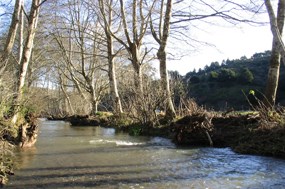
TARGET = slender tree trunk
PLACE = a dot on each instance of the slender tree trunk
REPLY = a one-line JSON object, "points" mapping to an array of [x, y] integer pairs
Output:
{"points": [[33, 19], [138, 79], [112, 71], [112, 78], [107, 18], [94, 104], [11, 36], [113, 87], [21, 34], [133, 45], [161, 38], [68, 106], [170, 111], [274, 68]]}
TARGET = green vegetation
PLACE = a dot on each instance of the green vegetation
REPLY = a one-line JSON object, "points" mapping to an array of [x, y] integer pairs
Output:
{"points": [[6, 161], [220, 86]]}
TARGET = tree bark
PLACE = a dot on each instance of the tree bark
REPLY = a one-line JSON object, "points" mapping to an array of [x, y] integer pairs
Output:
{"points": [[133, 45], [11, 36], [108, 17], [68, 106], [21, 33], [277, 25], [32, 25], [161, 38]]}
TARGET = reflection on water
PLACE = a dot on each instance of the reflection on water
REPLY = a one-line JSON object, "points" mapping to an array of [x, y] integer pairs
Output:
{"points": [[24, 157], [94, 157]]}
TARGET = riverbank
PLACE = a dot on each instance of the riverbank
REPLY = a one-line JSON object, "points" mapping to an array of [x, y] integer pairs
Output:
{"points": [[22, 134], [242, 133], [98, 157]]}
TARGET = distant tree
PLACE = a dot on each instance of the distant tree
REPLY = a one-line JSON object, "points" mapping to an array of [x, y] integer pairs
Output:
{"points": [[243, 58], [227, 75], [206, 68], [246, 76], [194, 79], [174, 75], [214, 66], [213, 76]]}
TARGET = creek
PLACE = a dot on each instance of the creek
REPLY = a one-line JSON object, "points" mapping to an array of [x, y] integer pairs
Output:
{"points": [[96, 157]]}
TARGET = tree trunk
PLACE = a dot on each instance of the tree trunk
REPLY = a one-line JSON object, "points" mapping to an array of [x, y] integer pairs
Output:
{"points": [[68, 106], [274, 68], [93, 102], [113, 86], [33, 19], [161, 39], [11, 35], [133, 45], [170, 111], [21, 34], [138, 80], [108, 17]]}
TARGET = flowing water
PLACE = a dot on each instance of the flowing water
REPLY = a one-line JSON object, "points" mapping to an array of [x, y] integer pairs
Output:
{"points": [[95, 157]]}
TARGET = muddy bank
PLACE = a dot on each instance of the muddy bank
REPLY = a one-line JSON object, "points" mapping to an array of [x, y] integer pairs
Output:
{"points": [[241, 132], [81, 120], [23, 134]]}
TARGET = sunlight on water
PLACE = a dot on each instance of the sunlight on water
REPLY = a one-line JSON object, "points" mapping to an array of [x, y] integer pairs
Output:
{"points": [[117, 142], [95, 157]]}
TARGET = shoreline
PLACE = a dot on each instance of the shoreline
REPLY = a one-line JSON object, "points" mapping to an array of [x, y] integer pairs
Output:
{"points": [[239, 132]]}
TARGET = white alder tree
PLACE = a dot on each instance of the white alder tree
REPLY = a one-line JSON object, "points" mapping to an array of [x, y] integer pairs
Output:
{"points": [[80, 40], [106, 13], [135, 20], [26, 55], [10, 40], [277, 25], [161, 37]]}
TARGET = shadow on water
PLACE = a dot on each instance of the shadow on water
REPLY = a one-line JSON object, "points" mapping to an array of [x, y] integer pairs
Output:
{"points": [[91, 157]]}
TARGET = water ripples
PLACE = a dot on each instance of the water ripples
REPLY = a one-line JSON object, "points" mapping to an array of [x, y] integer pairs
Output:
{"points": [[95, 157]]}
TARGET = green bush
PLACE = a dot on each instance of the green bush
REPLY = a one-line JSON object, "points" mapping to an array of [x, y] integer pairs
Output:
{"points": [[135, 130], [26, 110]]}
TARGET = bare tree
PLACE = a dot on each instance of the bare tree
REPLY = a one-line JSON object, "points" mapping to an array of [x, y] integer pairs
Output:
{"points": [[161, 38], [11, 35], [277, 24], [79, 39], [107, 16], [68, 108], [138, 23], [27, 50]]}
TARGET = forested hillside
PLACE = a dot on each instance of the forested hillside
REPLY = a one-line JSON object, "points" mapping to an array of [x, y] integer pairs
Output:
{"points": [[221, 85]]}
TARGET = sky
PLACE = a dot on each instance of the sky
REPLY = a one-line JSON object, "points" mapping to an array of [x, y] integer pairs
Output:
{"points": [[229, 43]]}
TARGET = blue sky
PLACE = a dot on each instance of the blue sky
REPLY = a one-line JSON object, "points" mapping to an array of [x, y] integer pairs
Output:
{"points": [[229, 43]]}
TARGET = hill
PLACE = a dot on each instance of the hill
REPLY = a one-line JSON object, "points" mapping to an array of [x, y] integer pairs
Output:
{"points": [[224, 85]]}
